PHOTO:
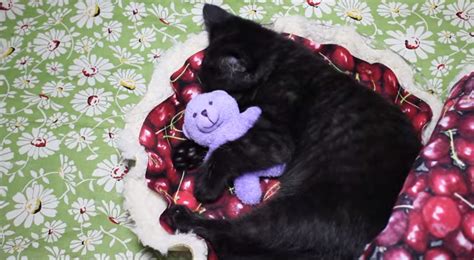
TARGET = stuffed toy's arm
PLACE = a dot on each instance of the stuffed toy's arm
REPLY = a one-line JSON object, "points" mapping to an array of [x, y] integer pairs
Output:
{"points": [[251, 115]]}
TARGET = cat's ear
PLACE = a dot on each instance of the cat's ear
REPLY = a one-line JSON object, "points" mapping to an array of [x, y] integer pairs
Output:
{"points": [[214, 15]]}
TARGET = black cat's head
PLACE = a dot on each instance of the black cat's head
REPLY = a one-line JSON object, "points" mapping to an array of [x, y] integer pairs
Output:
{"points": [[237, 56]]}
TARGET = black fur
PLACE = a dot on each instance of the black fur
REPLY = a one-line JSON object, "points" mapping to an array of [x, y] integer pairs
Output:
{"points": [[347, 150]]}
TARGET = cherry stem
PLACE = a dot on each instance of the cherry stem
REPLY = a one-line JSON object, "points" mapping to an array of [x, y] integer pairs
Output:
{"points": [[454, 155], [331, 63], [464, 200], [181, 74], [403, 207]]}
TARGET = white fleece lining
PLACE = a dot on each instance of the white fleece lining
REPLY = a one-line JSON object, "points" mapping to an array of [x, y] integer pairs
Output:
{"points": [[145, 206]]}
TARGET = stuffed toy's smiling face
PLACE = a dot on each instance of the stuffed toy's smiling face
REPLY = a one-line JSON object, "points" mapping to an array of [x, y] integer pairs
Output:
{"points": [[206, 113]]}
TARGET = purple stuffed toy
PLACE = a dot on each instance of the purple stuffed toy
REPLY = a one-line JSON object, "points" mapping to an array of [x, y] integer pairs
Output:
{"points": [[213, 119]]}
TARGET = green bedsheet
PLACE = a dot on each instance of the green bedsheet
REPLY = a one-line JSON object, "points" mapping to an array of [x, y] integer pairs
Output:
{"points": [[69, 71]]}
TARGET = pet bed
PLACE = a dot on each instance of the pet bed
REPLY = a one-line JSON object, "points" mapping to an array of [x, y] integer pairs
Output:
{"points": [[154, 127]]}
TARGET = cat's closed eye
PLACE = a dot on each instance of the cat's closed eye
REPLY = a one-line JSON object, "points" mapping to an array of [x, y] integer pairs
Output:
{"points": [[232, 64]]}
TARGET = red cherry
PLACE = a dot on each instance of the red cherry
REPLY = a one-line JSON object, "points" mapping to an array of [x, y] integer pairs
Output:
{"points": [[178, 74], [159, 185], [390, 83], [441, 216], [195, 61], [156, 165], [176, 87], [163, 147], [437, 254], [188, 75], [393, 232], [213, 214], [397, 253], [407, 97], [166, 226], [420, 120], [464, 149], [187, 199], [421, 199], [174, 100], [187, 184], [437, 148], [409, 110], [448, 121], [235, 208], [162, 114], [466, 126], [443, 161], [466, 103], [342, 58], [315, 47], [147, 137], [171, 172], [447, 181], [468, 225], [459, 244], [458, 89], [190, 91], [418, 185], [174, 136], [369, 72], [416, 236], [470, 177]]}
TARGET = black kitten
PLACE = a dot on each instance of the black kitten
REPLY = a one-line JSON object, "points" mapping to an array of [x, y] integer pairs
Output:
{"points": [[347, 150]]}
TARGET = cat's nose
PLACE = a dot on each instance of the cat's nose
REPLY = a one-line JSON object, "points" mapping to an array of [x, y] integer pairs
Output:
{"points": [[204, 112]]}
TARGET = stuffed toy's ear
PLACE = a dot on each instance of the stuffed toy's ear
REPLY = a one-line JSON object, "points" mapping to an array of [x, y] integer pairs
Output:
{"points": [[214, 15]]}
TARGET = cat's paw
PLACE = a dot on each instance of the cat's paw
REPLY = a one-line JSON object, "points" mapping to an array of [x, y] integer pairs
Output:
{"points": [[179, 218]]}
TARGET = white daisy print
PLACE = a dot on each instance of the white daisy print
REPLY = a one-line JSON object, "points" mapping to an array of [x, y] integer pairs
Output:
{"points": [[446, 37], [92, 12], [315, 7], [128, 255], [412, 44], [129, 80], [354, 11], [92, 101], [135, 11], [126, 57], [90, 69], [16, 245], [38, 144], [54, 68], [57, 88], [52, 44], [111, 173], [80, 140], [101, 257], [83, 210], [58, 2], [6, 156], [56, 18], [114, 213], [57, 254], [57, 119], [23, 62], [441, 66], [28, 81], [84, 45], [155, 55], [142, 39], [25, 26], [393, 9], [432, 7], [112, 30], [8, 49], [3, 107], [33, 206], [252, 12], [435, 86], [52, 231], [110, 136], [466, 36], [460, 14], [17, 125], [68, 168], [86, 242], [41, 100], [10, 9], [35, 3]]}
